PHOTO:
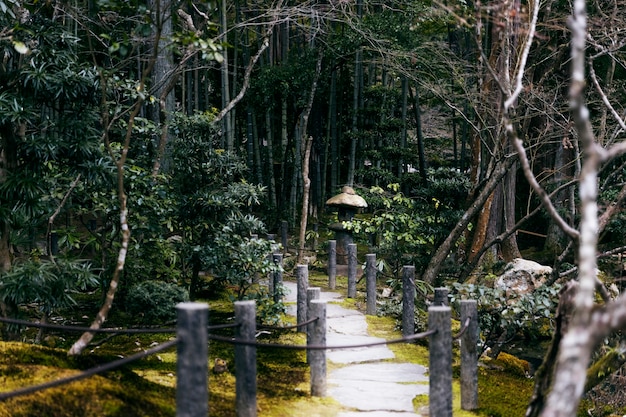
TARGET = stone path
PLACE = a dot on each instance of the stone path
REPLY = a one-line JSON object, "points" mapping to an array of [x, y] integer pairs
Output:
{"points": [[366, 382]]}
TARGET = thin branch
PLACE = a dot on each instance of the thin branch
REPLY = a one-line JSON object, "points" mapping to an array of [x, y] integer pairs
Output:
{"points": [[56, 213], [523, 58], [246, 79], [541, 193]]}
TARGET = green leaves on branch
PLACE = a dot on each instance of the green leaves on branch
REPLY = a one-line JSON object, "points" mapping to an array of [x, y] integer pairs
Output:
{"points": [[46, 283]]}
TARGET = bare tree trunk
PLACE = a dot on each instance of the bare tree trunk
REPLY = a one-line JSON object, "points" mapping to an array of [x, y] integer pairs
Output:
{"points": [[308, 141], [577, 344], [228, 139], [420, 136], [120, 163], [357, 92], [440, 255], [334, 141], [510, 250], [162, 76], [403, 134]]}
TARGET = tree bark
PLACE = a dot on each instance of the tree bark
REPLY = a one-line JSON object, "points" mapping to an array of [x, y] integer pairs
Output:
{"points": [[356, 99], [308, 141], [436, 261], [120, 163], [162, 76], [228, 138], [420, 136]]}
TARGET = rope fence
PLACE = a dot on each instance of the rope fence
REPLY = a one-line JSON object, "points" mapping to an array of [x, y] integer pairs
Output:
{"points": [[235, 341], [114, 330], [193, 336]]}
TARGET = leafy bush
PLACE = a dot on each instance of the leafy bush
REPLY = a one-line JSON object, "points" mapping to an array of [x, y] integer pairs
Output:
{"points": [[502, 317], [49, 284], [155, 301], [269, 312], [407, 229]]}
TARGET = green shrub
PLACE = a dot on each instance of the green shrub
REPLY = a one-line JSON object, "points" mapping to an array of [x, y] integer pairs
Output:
{"points": [[155, 301]]}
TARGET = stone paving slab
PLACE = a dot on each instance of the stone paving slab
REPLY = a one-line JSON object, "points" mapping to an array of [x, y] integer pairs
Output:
{"points": [[383, 372], [377, 396], [356, 355], [367, 385], [381, 387]]}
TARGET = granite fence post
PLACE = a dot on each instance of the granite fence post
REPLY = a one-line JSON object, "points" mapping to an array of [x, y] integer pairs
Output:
{"points": [[312, 293], [441, 296], [302, 280], [352, 270], [408, 300], [370, 271], [277, 277], [192, 398], [245, 359], [318, 356], [332, 264], [469, 355], [440, 362]]}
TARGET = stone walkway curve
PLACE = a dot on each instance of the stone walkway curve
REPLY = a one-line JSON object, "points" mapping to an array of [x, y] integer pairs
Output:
{"points": [[367, 383]]}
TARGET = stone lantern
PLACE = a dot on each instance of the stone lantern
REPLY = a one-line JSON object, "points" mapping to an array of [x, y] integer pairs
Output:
{"points": [[347, 203]]}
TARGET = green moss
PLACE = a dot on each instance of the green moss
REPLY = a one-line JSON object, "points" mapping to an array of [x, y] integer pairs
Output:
{"points": [[502, 393], [512, 365], [113, 394], [384, 327]]}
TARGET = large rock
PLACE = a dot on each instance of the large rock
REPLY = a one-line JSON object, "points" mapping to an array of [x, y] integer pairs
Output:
{"points": [[522, 276]]}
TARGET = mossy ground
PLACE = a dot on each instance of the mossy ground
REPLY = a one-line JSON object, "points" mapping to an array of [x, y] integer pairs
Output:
{"points": [[147, 387]]}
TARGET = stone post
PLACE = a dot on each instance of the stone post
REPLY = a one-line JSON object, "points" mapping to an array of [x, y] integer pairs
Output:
{"points": [[408, 300], [318, 356], [332, 264], [245, 359], [302, 279], [441, 296], [440, 362], [370, 271], [352, 270], [469, 355], [192, 398], [312, 293]]}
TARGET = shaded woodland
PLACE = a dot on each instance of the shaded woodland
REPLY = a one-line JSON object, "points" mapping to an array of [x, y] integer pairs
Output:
{"points": [[161, 141]]}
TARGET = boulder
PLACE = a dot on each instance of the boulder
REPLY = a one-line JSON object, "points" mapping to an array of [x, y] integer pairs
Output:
{"points": [[522, 276]]}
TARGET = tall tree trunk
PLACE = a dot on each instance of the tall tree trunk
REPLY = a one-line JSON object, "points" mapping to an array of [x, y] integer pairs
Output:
{"points": [[103, 313], [284, 142], [403, 134], [162, 75], [296, 177], [334, 141], [436, 261], [270, 158], [356, 100], [307, 143], [510, 250], [420, 135], [555, 237], [228, 139]]}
